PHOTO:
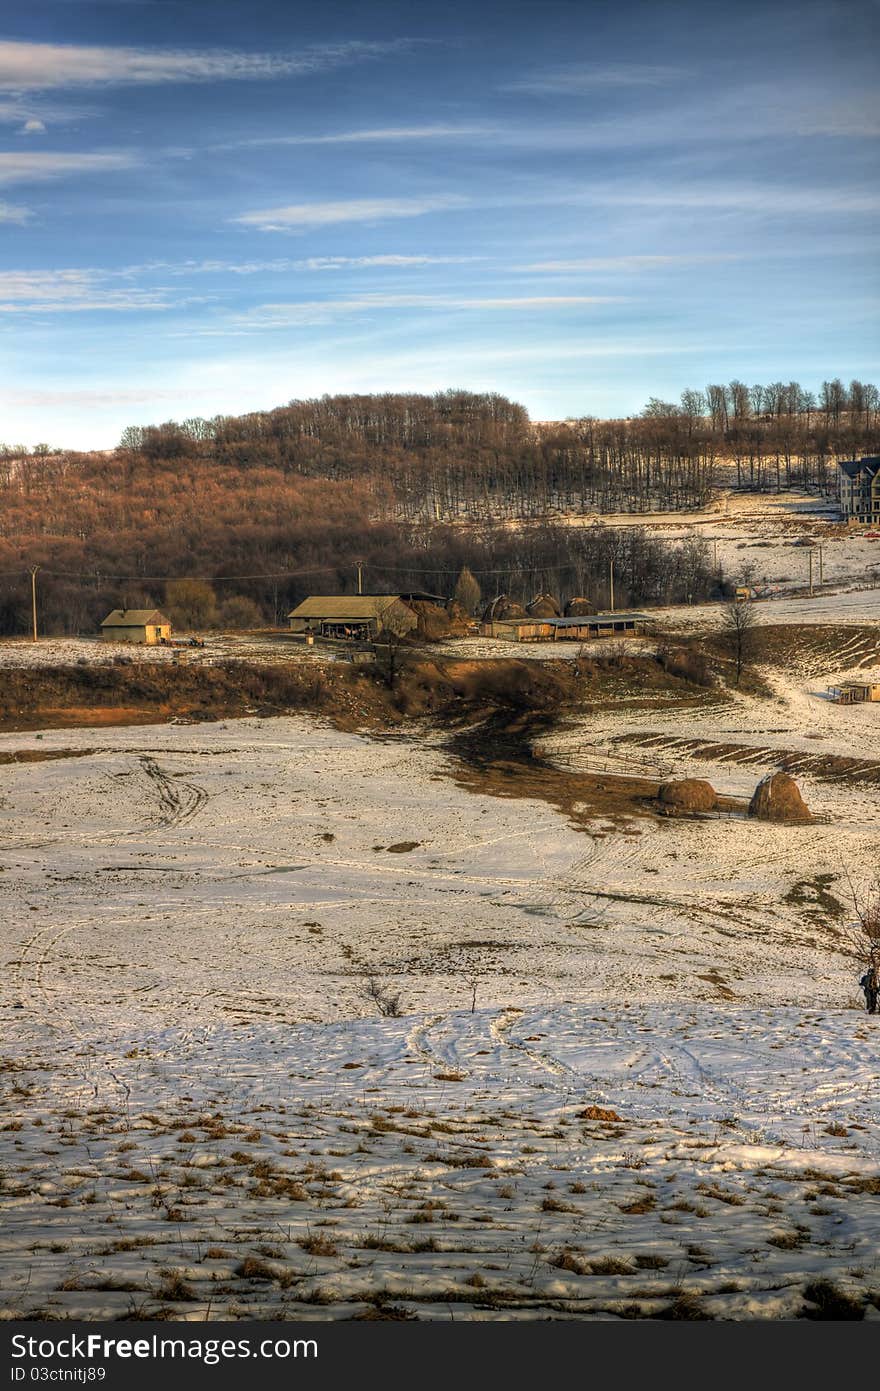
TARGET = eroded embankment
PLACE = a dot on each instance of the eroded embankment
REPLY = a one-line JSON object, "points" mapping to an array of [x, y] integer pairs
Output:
{"points": [[502, 757]]}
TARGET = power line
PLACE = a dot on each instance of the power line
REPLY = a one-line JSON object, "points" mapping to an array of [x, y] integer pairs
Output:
{"points": [[100, 577]]}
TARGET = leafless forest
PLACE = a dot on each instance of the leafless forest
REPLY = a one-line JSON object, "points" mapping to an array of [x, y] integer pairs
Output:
{"points": [[270, 506]]}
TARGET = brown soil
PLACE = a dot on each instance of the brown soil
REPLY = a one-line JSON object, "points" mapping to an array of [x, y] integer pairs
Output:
{"points": [[832, 767], [498, 759], [41, 755]]}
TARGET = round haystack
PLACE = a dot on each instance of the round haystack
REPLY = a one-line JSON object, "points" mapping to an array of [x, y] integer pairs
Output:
{"points": [[434, 623], [457, 612], [544, 606], [777, 798], [579, 608], [501, 608], [688, 795]]}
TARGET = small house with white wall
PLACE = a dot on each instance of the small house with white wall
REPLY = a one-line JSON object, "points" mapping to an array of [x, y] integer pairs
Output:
{"points": [[147, 626]]}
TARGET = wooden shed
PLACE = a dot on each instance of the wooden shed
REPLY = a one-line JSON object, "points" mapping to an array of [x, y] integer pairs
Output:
{"points": [[581, 628], [147, 626], [352, 616], [857, 692]]}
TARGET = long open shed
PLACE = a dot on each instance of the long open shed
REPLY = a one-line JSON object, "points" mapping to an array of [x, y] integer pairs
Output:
{"points": [[581, 628]]}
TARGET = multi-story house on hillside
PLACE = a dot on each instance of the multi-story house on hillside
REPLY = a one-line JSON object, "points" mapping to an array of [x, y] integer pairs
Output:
{"points": [[859, 483]]}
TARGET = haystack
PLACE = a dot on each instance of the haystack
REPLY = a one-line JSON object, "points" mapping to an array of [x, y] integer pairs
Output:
{"points": [[501, 608], [579, 607], [544, 606], [684, 795], [777, 798], [434, 623]]}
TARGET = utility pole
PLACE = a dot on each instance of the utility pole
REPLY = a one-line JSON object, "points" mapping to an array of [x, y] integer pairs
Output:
{"points": [[611, 583], [821, 567], [360, 566], [811, 571], [34, 569]]}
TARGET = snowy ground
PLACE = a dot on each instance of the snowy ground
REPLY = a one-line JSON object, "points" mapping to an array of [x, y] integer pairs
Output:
{"points": [[218, 647], [202, 1112], [630, 1074], [766, 533]]}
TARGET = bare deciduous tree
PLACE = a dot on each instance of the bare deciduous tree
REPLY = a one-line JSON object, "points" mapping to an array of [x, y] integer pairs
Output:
{"points": [[387, 1001], [862, 942], [737, 624]]}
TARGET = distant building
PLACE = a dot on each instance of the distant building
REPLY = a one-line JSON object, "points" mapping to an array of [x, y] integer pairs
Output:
{"points": [[856, 692], [136, 625], [859, 487], [352, 616], [575, 628]]}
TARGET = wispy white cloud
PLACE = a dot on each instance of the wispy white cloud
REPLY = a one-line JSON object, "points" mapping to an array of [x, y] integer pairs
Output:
{"points": [[378, 135], [389, 261], [33, 127], [72, 291], [91, 397], [40, 66], [765, 198], [37, 166], [10, 213], [281, 265], [573, 79], [309, 312], [630, 264], [298, 216]]}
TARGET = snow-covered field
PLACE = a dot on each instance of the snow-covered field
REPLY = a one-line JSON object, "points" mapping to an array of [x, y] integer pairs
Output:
{"points": [[203, 1113], [766, 534], [218, 647], [302, 1023]]}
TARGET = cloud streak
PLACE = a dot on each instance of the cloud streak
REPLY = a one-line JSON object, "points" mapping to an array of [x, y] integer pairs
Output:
{"points": [[309, 312], [36, 167], [575, 79], [73, 291], [31, 67], [300, 216], [379, 135], [631, 264], [16, 215]]}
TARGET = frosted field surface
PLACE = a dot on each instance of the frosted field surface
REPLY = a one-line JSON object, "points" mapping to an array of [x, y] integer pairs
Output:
{"points": [[628, 1074]]}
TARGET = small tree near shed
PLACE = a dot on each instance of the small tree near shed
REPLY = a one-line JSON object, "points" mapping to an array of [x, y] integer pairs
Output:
{"points": [[467, 591], [390, 643]]}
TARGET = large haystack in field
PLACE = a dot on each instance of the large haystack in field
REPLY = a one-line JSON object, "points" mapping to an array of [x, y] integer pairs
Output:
{"points": [[459, 618], [777, 798], [684, 796], [544, 606], [434, 623], [579, 607], [502, 608]]}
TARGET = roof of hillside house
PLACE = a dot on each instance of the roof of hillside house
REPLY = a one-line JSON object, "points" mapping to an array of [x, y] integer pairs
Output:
{"points": [[136, 618], [343, 606], [587, 620], [853, 467]]}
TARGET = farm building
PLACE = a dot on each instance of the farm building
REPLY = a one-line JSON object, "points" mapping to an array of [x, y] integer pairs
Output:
{"points": [[136, 625], [576, 628], [352, 616], [856, 692]]}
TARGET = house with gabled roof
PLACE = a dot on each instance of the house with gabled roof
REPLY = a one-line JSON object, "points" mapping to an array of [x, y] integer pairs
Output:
{"points": [[136, 625], [859, 489], [352, 616]]}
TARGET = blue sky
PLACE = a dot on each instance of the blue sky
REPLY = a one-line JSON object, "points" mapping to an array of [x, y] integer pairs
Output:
{"points": [[212, 207]]}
